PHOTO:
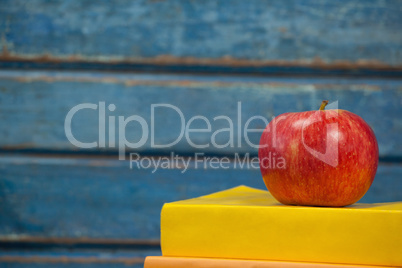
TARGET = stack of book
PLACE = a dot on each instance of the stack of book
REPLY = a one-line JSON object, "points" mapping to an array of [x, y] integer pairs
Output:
{"points": [[246, 227]]}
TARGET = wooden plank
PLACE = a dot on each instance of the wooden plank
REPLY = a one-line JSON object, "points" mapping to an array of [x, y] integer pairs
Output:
{"points": [[38, 103], [39, 263], [21, 242], [101, 197], [36, 262], [247, 68], [323, 34], [74, 258]]}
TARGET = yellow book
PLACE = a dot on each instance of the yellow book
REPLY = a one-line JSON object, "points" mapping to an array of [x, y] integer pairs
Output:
{"points": [[247, 223]]}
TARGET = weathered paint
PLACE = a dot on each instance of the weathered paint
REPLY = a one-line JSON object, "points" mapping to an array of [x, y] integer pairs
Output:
{"points": [[72, 198], [64, 259], [74, 257], [219, 66], [309, 33], [21, 241], [33, 264], [34, 106], [65, 210]]}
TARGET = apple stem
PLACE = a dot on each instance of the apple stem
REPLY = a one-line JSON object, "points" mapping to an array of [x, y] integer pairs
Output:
{"points": [[323, 104]]}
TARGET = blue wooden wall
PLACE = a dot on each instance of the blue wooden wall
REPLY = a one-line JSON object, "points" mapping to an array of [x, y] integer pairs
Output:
{"points": [[63, 206]]}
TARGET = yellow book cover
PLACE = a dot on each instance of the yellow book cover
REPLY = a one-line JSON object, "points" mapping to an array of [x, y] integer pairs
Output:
{"points": [[247, 223], [185, 262]]}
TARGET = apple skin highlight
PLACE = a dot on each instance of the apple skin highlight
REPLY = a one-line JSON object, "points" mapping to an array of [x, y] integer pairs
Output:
{"points": [[330, 158]]}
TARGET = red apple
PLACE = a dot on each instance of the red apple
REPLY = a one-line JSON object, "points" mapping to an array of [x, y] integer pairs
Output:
{"points": [[318, 158]]}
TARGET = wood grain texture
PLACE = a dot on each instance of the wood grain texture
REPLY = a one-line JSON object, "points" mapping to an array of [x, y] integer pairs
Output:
{"points": [[74, 258], [84, 208], [34, 106], [45, 243], [194, 67], [309, 33], [103, 198], [35, 263]]}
